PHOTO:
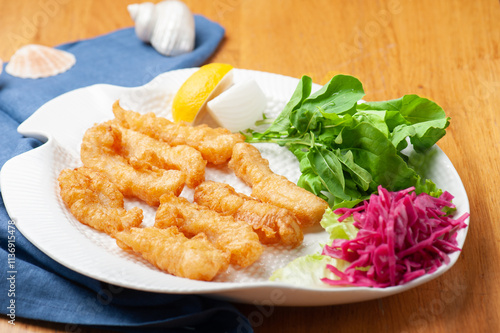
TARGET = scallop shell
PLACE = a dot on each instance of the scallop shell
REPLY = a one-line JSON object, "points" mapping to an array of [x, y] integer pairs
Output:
{"points": [[168, 26], [38, 61]]}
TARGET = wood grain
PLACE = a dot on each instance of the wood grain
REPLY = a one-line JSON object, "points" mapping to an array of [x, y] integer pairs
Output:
{"points": [[447, 51]]}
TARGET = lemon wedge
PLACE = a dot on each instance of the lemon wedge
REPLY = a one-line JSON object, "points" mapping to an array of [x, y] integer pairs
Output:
{"points": [[202, 86]]}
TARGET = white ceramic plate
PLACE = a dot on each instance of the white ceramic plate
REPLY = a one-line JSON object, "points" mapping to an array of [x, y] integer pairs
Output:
{"points": [[31, 194]]}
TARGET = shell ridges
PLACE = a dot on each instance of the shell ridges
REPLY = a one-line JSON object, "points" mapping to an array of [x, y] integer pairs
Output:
{"points": [[37, 61]]}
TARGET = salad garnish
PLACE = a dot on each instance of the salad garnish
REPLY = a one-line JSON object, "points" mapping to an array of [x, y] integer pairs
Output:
{"points": [[387, 224], [347, 147]]}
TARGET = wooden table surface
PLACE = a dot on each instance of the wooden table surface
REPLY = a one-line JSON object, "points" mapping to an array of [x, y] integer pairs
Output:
{"points": [[447, 51]]}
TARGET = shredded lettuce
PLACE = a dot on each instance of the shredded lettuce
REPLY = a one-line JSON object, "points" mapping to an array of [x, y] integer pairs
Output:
{"points": [[336, 229], [308, 270]]}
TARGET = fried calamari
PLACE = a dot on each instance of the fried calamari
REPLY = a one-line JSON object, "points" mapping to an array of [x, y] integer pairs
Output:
{"points": [[234, 237], [171, 251], [96, 202], [273, 224], [249, 165], [100, 149], [215, 144], [140, 148]]}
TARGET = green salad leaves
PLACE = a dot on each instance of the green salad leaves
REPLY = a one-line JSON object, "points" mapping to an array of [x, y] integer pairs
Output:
{"points": [[346, 147]]}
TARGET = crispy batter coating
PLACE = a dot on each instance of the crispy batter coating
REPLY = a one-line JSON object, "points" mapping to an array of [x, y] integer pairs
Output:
{"points": [[248, 164], [234, 237], [136, 147], [215, 144], [273, 224], [171, 251], [100, 146], [96, 202]]}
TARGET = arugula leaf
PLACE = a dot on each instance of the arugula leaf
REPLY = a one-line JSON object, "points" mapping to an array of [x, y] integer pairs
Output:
{"points": [[346, 149], [337, 97], [282, 123], [376, 118], [360, 176], [424, 121], [390, 105], [326, 165], [374, 152]]}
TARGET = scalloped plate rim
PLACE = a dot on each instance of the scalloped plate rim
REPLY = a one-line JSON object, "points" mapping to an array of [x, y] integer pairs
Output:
{"points": [[242, 292]]}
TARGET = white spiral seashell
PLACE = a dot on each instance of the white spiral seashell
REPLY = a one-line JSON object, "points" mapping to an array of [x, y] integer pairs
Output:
{"points": [[168, 26], [38, 61]]}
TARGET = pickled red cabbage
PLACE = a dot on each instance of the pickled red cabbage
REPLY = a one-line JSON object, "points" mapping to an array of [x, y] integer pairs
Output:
{"points": [[401, 237]]}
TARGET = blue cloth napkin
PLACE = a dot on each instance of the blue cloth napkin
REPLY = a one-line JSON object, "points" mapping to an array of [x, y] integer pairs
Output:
{"points": [[37, 287]]}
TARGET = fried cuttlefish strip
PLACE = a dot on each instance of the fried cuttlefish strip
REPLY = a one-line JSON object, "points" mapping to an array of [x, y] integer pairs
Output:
{"points": [[95, 201], [138, 148], [229, 235], [249, 165], [171, 251], [273, 224], [100, 149], [215, 144]]}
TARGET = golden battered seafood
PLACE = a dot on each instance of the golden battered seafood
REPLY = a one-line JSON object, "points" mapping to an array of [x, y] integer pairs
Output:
{"points": [[100, 149], [215, 144], [135, 147], [273, 224], [171, 251], [96, 202], [248, 164], [234, 237]]}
